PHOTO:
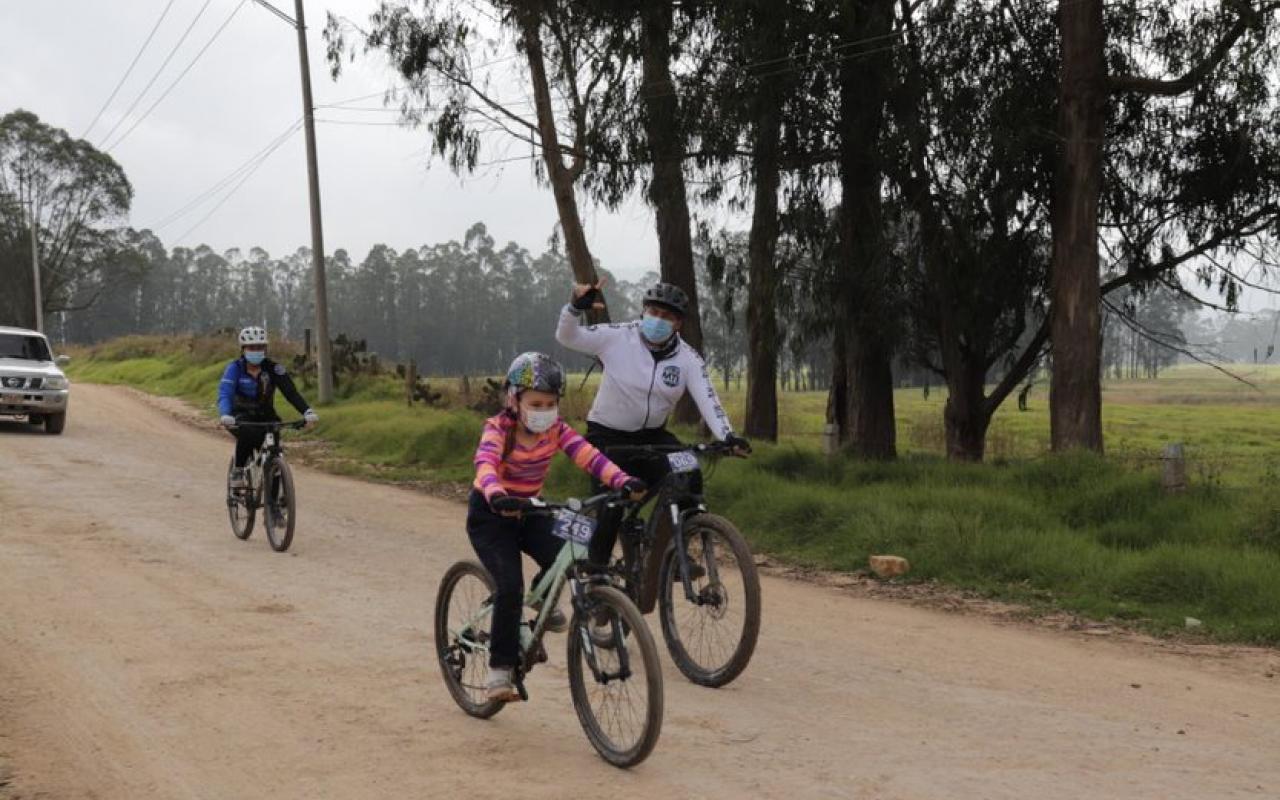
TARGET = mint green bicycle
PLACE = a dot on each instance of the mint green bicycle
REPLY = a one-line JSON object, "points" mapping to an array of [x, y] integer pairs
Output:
{"points": [[615, 677]]}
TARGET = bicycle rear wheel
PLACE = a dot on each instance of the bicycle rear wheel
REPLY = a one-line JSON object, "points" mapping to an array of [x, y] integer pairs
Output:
{"points": [[617, 691], [462, 636], [280, 504], [240, 508], [712, 638]]}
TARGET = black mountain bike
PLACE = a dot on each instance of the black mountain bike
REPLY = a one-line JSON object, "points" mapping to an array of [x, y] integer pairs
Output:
{"points": [[269, 487], [695, 566]]}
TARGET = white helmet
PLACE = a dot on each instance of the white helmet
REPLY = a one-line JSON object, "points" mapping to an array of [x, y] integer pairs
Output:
{"points": [[253, 335]]}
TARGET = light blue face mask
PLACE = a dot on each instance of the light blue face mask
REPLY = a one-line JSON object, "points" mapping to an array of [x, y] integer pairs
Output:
{"points": [[255, 357], [655, 329]]}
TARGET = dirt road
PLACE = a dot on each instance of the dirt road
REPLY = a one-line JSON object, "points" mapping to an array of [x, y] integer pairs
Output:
{"points": [[146, 653]]}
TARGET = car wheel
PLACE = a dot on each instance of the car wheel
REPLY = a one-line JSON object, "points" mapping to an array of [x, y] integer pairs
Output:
{"points": [[54, 423]]}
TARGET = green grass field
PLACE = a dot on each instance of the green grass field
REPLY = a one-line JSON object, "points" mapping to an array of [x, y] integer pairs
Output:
{"points": [[1087, 534]]}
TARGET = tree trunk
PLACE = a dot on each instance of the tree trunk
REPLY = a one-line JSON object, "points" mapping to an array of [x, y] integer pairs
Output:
{"points": [[1075, 389], [838, 391], [665, 135], [864, 291], [872, 427], [561, 177], [762, 315], [967, 415]]}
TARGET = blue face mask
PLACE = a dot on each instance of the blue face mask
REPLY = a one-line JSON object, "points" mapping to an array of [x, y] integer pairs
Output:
{"points": [[255, 357], [656, 330]]}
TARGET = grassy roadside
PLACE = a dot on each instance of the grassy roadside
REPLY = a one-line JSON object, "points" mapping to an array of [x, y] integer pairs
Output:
{"points": [[1082, 533]]}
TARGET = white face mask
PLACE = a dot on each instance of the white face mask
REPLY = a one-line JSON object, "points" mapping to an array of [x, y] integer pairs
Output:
{"points": [[539, 421]]}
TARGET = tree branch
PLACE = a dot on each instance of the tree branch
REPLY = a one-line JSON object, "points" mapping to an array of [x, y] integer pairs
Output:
{"points": [[1192, 77], [1156, 338]]}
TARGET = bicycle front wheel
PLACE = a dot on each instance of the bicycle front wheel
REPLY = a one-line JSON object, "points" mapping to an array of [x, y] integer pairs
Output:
{"points": [[240, 508], [617, 690], [280, 507], [463, 611], [712, 636]]}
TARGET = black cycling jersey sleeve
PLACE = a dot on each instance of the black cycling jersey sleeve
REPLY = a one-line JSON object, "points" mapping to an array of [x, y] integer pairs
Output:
{"points": [[287, 387]]}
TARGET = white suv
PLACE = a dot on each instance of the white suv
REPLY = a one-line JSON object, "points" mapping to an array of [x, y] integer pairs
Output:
{"points": [[30, 382]]}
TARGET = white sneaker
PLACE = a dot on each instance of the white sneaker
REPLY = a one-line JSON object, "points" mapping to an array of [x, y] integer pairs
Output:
{"points": [[500, 687]]}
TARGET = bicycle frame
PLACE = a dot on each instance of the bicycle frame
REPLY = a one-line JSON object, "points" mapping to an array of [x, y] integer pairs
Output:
{"points": [[271, 448], [547, 592], [677, 499]]}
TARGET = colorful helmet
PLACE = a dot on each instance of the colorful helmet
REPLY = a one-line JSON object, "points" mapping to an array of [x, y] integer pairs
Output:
{"points": [[253, 335], [535, 371], [667, 295]]}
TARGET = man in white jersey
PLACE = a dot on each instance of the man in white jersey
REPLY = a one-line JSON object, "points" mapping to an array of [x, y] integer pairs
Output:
{"points": [[647, 369]]}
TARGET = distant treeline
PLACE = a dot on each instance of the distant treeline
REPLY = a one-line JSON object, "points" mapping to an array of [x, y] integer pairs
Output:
{"points": [[455, 308]]}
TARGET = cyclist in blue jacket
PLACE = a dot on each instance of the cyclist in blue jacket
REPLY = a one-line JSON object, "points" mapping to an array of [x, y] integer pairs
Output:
{"points": [[247, 394]]}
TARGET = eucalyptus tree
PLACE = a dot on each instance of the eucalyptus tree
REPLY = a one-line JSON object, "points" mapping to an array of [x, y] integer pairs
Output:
{"points": [[972, 169], [74, 195], [1168, 130], [572, 67]]}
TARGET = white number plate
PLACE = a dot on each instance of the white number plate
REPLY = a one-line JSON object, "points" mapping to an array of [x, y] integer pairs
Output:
{"points": [[684, 461], [574, 527]]}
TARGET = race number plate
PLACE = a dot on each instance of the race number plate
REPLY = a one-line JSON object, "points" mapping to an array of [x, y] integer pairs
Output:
{"points": [[684, 461], [574, 527]]}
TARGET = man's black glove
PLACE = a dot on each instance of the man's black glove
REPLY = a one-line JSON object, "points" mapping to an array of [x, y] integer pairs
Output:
{"points": [[588, 300], [738, 443], [634, 487], [505, 503]]}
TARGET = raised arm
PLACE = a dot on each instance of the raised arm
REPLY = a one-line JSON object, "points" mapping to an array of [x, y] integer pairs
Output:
{"points": [[708, 402], [589, 339]]}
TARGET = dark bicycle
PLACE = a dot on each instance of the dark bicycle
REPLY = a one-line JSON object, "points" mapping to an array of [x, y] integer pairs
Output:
{"points": [[269, 486], [695, 565]]}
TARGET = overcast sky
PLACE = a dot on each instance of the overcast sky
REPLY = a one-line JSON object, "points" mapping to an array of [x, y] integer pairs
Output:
{"points": [[61, 59]]}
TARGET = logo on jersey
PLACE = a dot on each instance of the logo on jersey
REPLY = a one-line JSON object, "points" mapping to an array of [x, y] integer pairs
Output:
{"points": [[671, 376]]}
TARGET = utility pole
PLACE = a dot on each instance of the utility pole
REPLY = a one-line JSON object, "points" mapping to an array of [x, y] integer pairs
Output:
{"points": [[30, 208], [35, 269], [324, 358], [323, 353]]}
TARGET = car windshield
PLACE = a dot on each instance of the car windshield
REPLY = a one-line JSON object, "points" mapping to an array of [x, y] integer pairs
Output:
{"points": [[30, 348]]}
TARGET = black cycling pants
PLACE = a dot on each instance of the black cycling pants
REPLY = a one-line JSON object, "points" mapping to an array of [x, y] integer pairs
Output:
{"points": [[651, 468], [499, 541], [250, 439]]}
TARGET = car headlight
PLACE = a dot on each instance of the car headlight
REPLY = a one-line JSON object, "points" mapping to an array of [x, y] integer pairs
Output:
{"points": [[56, 382]]}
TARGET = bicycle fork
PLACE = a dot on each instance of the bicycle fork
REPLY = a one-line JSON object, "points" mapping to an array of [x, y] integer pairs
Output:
{"points": [[678, 519], [585, 611]]}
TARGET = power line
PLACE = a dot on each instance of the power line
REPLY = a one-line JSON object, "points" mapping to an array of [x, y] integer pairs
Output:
{"points": [[181, 75], [261, 160], [226, 179], [156, 76], [288, 19], [129, 71]]}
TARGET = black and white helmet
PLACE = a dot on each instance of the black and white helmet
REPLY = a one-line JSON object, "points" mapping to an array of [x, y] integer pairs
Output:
{"points": [[253, 335], [667, 295]]}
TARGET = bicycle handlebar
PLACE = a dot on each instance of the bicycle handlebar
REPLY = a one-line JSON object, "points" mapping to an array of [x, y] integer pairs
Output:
{"points": [[701, 448], [536, 505], [297, 424]]}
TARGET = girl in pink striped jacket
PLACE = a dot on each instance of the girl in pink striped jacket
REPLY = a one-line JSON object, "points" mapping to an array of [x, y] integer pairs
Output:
{"points": [[512, 461]]}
